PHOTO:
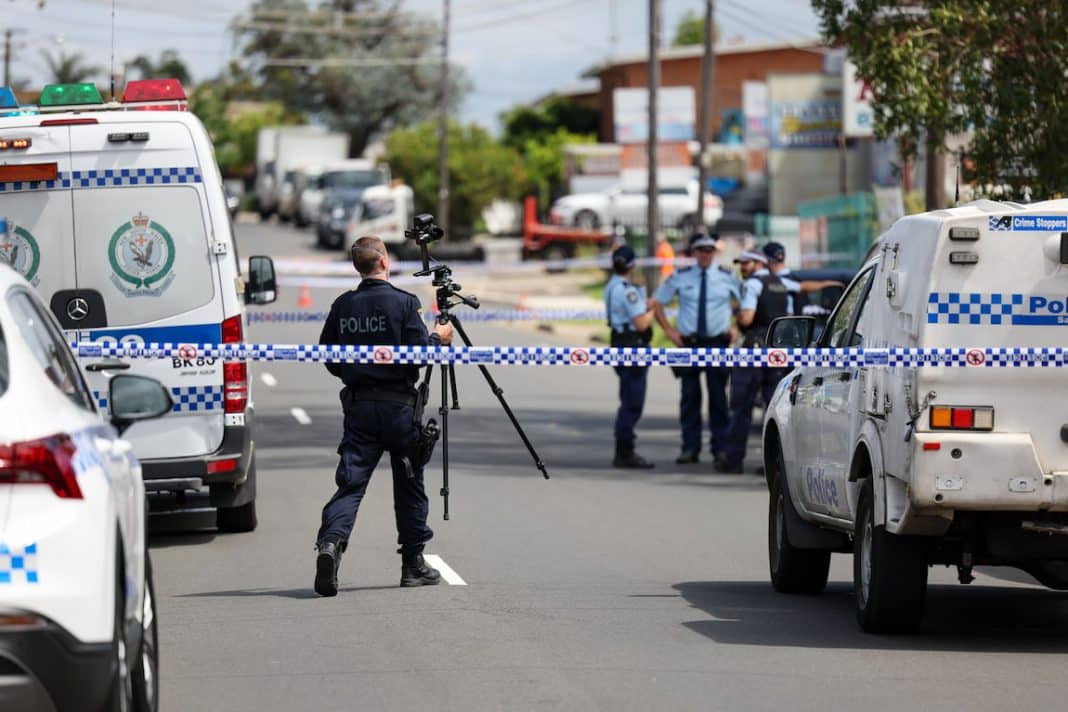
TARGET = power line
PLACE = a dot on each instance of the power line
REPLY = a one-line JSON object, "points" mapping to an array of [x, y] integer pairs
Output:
{"points": [[352, 62], [518, 16]]}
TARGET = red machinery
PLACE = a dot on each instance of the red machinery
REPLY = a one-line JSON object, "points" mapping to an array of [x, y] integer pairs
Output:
{"points": [[554, 242]]}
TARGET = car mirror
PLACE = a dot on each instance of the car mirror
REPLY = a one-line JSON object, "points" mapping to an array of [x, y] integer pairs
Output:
{"points": [[261, 287], [791, 332], [132, 398]]}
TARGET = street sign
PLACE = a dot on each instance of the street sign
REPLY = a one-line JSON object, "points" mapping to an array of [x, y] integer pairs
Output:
{"points": [[858, 118]]}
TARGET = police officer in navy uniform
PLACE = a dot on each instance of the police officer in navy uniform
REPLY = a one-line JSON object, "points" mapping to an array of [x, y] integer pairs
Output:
{"points": [[707, 294], [379, 402], [767, 294], [630, 319]]}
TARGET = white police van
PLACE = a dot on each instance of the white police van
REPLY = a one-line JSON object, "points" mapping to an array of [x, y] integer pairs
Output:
{"points": [[116, 213], [910, 467]]}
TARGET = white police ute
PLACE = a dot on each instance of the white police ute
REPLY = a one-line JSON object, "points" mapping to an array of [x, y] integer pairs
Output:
{"points": [[77, 613], [116, 213], [907, 467]]}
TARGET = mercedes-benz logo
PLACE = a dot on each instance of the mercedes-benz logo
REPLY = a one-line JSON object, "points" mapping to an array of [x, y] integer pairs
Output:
{"points": [[77, 309]]}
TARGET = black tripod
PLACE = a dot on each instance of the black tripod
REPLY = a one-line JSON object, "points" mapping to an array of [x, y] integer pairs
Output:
{"points": [[449, 296]]}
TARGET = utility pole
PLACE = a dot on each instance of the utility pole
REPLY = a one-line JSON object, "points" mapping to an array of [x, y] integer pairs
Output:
{"points": [[9, 35], [443, 128], [653, 208], [704, 113]]}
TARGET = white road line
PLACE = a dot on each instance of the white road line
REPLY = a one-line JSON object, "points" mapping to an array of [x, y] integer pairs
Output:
{"points": [[268, 379], [451, 577], [301, 416]]}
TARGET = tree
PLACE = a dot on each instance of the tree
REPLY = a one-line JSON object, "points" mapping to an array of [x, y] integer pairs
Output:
{"points": [[69, 68], [943, 67], [690, 30], [545, 164], [480, 170], [167, 66], [538, 122], [364, 66]]}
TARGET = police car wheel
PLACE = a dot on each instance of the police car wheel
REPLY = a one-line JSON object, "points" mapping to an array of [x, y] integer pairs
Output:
{"points": [[889, 572], [146, 667], [792, 570], [122, 693]]}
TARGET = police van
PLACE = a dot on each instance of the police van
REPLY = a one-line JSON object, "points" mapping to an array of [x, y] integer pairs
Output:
{"points": [[908, 467], [115, 212]]}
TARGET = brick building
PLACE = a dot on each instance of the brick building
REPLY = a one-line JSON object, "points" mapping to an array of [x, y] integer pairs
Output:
{"points": [[681, 66]]}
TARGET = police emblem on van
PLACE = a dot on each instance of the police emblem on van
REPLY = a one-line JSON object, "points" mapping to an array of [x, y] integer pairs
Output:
{"points": [[141, 253], [19, 249]]}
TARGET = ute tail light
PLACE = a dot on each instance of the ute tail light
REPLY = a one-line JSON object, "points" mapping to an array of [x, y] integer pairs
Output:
{"points": [[235, 373], [946, 417], [48, 461]]}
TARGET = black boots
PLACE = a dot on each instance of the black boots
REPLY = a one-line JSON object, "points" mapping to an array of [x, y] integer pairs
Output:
{"points": [[415, 572], [626, 458], [327, 564]]}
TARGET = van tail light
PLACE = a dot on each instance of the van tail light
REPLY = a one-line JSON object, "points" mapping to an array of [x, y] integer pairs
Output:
{"points": [[235, 373], [945, 417], [48, 461]]}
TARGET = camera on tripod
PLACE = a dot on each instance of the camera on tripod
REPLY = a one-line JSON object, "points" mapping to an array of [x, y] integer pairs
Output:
{"points": [[424, 230]]}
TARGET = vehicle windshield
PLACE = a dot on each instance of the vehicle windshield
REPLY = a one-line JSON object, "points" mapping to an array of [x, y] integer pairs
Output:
{"points": [[353, 178]]}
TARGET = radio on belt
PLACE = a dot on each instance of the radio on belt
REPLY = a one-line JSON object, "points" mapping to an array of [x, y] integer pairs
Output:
{"points": [[917, 464]]}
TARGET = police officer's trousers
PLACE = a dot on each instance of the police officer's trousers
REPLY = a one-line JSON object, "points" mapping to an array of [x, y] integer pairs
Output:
{"points": [[745, 384], [690, 407], [632, 386], [372, 428]]}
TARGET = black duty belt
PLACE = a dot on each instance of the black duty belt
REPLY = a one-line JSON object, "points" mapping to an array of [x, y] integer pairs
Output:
{"points": [[695, 341], [351, 395]]}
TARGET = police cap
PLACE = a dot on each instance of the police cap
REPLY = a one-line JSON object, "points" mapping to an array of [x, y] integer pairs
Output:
{"points": [[623, 256], [775, 252], [702, 239], [751, 256]]}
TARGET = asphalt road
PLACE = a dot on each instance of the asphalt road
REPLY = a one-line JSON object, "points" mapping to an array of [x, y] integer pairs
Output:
{"points": [[599, 589]]}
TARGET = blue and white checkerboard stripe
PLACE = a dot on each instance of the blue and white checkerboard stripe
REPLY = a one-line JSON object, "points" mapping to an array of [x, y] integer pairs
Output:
{"points": [[975, 309], [18, 564], [187, 399], [110, 178], [195, 400]]}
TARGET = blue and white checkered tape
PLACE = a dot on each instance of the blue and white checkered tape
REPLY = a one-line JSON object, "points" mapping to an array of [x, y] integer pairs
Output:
{"points": [[18, 564], [1027, 357], [288, 317], [110, 177]]}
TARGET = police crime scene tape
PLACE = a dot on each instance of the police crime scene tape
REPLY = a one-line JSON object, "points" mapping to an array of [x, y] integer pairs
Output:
{"points": [[1035, 357], [482, 315]]}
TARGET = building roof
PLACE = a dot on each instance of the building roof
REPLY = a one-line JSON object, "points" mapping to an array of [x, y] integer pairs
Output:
{"points": [[572, 91], [697, 51]]}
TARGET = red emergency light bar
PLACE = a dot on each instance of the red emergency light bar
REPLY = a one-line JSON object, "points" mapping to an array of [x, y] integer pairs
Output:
{"points": [[153, 90], [30, 172]]}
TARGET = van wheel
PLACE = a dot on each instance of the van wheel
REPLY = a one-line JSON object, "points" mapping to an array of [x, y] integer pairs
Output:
{"points": [[237, 519], [146, 666], [792, 570], [889, 572]]}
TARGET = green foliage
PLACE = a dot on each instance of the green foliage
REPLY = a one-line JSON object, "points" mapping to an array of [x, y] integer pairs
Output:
{"points": [[523, 123], [169, 65], [545, 164], [690, 30], [398, 83], [234, 127], [480, 169], [993, 68]]}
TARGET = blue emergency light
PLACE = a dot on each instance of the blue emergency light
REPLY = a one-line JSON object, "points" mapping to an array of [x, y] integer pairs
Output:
{"points": [[7, 98]]}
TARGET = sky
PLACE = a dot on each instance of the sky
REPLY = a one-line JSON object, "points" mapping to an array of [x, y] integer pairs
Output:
{"points": [[514, 51]]}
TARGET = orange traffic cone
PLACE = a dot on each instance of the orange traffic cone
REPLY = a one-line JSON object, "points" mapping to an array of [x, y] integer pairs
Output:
{"points": [[522, 305], [305, 300]]}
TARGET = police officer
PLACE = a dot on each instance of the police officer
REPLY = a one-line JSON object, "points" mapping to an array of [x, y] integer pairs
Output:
{"points": [[379, 403], [630, 319], [767, 294], [707, 294]]}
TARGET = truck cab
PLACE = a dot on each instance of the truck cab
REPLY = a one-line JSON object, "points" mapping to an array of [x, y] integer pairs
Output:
{"points": [[907, 466]]}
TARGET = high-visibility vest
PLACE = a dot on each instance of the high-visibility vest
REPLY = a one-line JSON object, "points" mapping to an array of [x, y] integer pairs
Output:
{"points": [[665, 252]]}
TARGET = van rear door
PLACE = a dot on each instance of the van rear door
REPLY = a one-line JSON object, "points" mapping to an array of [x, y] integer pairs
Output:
{"points": [[143, 240], [36, 230], [1006, 288]]}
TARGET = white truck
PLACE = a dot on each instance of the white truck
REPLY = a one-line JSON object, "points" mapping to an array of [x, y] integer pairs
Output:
{"points": [[385, 211], [282, 150], [909, 467]]}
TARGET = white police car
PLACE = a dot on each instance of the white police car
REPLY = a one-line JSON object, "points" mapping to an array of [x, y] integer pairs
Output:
{"points": [[913, 466], [77, 614], [116, 213]]}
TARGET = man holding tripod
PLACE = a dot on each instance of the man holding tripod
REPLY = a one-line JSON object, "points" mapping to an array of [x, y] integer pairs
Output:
{"points": [[380, 404]]}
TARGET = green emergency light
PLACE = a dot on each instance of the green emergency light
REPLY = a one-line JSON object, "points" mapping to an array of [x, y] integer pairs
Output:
{"points": [[70, 95]]}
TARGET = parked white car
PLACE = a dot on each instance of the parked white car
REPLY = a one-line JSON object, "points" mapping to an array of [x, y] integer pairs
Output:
{"points": [[627, 206], [77, 612]]}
